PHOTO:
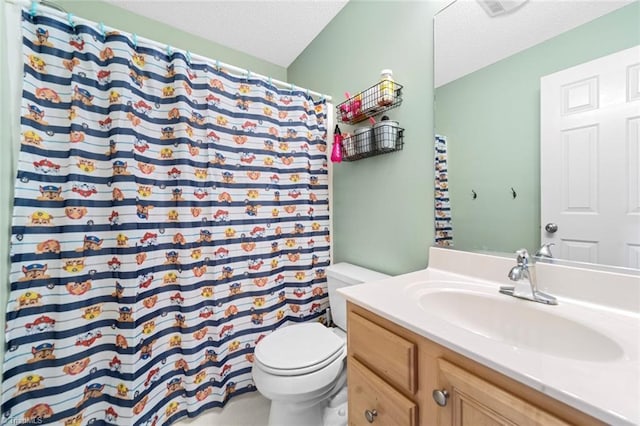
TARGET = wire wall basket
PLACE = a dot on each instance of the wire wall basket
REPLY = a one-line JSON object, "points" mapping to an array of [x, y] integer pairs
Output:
{"points": [[369, 142], [378, 98]]}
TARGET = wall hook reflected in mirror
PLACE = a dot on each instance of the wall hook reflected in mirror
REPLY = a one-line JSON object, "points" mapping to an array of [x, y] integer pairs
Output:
{"points": [[513, 193], [473, 194]]}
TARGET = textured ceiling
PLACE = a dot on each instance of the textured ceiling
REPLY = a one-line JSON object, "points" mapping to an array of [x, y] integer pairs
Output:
{"points": [[467, 39], [276, 31]]}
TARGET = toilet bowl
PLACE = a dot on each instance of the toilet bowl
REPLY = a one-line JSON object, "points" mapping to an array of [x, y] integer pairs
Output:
{"points": [[301, 367]]}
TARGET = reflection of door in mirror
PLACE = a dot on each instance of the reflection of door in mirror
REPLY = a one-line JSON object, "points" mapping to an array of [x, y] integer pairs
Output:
{"points": [[590, 181], [490, 111]]}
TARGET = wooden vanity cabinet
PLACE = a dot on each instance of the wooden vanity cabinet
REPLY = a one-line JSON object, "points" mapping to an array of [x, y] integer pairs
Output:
{"points": [[472, 401], [392, 373]]}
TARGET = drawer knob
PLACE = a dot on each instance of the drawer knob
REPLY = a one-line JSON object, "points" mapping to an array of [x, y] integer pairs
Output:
{"points": [[440, 397], [370, 415]]}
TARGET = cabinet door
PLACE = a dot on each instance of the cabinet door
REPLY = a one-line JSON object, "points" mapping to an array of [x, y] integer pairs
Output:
{"points": [[369, 394], [474, 402]]}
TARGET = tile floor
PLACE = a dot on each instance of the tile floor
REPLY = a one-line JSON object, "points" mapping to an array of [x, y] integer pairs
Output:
{"points": [[250, 409]]}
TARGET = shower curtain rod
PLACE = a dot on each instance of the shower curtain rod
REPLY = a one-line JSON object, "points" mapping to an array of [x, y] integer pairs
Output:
{"points": [[59, 11]]}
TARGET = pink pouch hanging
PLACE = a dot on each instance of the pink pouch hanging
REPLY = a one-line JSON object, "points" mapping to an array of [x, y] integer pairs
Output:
{"points": [[336, 152]]}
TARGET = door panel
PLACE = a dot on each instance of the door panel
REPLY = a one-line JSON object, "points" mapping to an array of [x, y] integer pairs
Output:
{"points": [[579, 168], [590, 159]]}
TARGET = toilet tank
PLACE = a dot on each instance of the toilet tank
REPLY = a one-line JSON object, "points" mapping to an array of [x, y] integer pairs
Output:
{"points": [[342, 275]]}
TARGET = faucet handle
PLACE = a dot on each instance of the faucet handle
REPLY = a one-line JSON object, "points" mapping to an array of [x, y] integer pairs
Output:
{"points": [[522, 257], [545, 250]]}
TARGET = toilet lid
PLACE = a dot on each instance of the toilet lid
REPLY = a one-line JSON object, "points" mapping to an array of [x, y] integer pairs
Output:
{"points": [[299, 347]]}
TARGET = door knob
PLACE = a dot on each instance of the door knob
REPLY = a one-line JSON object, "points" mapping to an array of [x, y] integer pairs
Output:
{"points": [[551, 227], [370, 415], [440, 397]]}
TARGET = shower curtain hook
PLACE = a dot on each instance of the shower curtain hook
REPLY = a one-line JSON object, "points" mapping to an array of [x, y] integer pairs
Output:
{"points": [[70, 19], [135, 40], [307, 93], [248, 74], [34, 8], [293, 87], [217, 65], [188, 56], [102, 32], [169, 51], [270, 82]]}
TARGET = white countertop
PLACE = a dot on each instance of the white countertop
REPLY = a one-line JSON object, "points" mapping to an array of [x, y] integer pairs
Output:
{"points": [[608, 390]]}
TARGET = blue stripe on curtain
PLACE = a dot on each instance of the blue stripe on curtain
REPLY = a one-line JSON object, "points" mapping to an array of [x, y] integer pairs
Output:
{"points": [[168, 215], [443, 225]]}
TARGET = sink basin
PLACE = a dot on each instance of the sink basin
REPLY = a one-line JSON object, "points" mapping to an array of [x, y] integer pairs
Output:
{"points": [[519, 324]]}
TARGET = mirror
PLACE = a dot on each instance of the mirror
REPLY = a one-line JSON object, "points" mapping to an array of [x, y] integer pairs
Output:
{"points": [[488, 72]]}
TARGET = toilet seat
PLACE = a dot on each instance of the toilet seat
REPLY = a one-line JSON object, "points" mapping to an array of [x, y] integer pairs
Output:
{"points": [[299, 349]]}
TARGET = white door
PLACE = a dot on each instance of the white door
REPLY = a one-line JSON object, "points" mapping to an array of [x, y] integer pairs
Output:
{"points": [[590, 159]]}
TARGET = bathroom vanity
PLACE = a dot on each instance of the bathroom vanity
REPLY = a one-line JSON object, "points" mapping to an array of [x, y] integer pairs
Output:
{"points": [[395, 372], [443, 347]]}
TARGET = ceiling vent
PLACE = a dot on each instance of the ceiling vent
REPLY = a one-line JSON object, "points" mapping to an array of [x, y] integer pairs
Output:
{"points": [[500, 7]]}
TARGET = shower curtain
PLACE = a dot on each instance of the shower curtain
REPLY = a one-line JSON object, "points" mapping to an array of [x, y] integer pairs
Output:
{"points": [[168, 215], [442, 204]]}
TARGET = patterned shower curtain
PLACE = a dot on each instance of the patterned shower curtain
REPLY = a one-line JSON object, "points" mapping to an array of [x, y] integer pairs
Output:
{"points": [[168, 215], [442, 204]]}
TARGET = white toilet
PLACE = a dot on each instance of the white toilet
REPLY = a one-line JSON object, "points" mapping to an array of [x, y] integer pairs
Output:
{"points": [[302, 366]]}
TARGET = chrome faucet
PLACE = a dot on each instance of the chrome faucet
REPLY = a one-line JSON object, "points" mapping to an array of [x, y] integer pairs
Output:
{"points": [[545, 251], [525, 283]]}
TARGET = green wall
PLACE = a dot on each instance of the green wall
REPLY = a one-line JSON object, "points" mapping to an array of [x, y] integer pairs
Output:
{"points": [[383, 206], [492, 122]]}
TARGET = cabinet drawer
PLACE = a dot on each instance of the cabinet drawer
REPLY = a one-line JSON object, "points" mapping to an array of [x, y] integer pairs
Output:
{"points": [[392, 357], [369, 392]]}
